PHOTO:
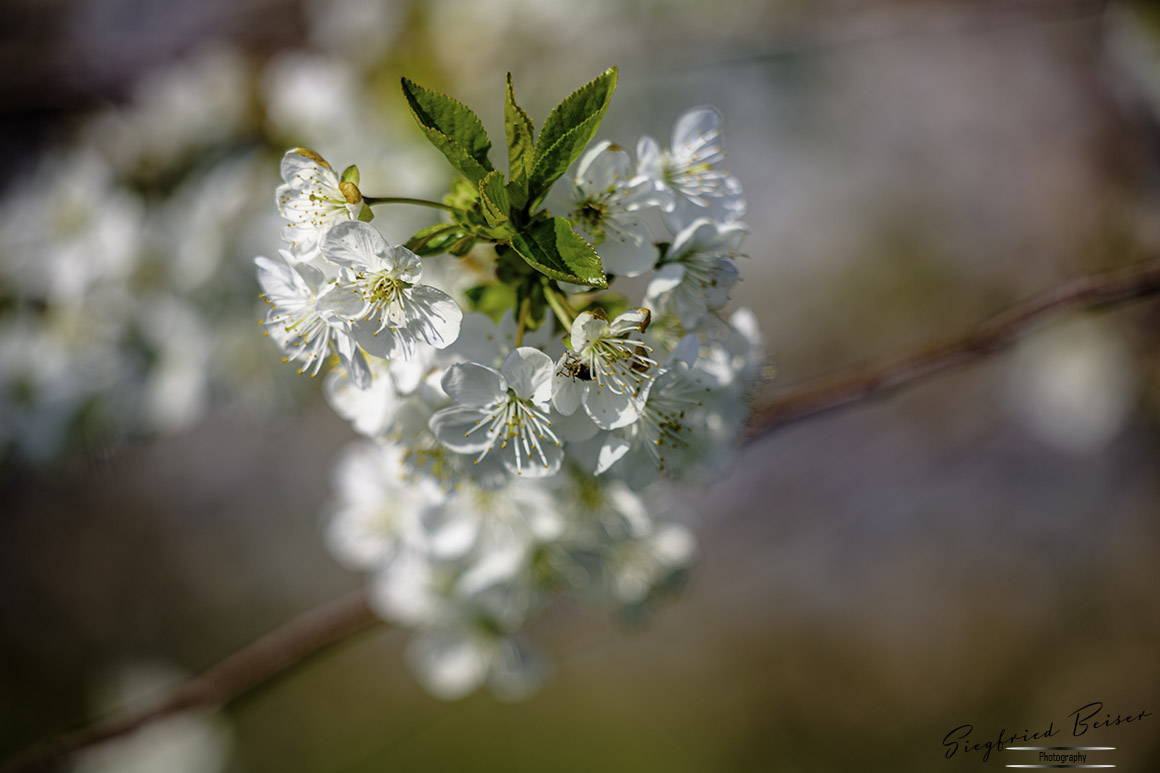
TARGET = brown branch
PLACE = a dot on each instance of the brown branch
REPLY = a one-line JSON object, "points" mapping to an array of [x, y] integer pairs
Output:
{"points": [[861, 382], [238, 674], [287, 647]]}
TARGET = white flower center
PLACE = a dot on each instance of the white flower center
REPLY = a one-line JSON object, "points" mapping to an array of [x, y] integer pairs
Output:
{"points": [[694, 169], [620, 364], [519, 422], [384, 295], [307, 333], [662, 423]]}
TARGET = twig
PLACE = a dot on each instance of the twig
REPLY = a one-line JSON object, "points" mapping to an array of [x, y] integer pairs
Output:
{"points": [[253, 666], [862, 382], [285, 648]]}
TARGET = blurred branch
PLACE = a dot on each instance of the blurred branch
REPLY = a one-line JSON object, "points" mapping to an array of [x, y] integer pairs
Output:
{"points": [[861, 382], [823, 34], [251, 667], [286, 648]]}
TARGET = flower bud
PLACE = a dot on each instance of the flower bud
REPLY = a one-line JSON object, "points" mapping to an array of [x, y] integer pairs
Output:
{"points": [[350, 191]]}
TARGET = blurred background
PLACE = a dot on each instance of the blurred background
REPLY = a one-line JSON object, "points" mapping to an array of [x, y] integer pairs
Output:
{"points": [[980, 549]]}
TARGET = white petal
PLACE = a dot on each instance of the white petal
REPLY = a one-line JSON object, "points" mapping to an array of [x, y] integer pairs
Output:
{"points": [[341, 301], [694, 124], [354, 244], [533, 466], [450, 665], [643, 191], [724, 276], [667, 278], [276, 278], [587, 327], [450, 532], [567, 392], [691, 238], [609, 409], [627, 257], [498, 565], [385, 343], [408, 265], [409, 374], [632, 320], [611, 452], [715, 237], [574, 428], [355, 363], [453, 427], [404, 590], [529, 374], [603, 166], [470, 383], [298, 169], [648, 158], [686, 350], [437, 316], [674, 545]]}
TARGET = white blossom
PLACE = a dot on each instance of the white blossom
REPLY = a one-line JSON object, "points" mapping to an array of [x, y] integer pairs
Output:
{"points": [[503, 412], [606, 369], [377, 507], [516, 455], [698, 271], [312, 199], [606, 199], [636, 566], [691, 166], [307, 315], [661, 439], [397, 313], [454, 659]]}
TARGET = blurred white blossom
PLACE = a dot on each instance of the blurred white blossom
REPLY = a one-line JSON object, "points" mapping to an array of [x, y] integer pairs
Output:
{"points": [[1074, 384]]}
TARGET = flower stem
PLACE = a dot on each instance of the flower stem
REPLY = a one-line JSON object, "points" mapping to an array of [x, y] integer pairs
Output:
{"points": [[525, 308], [560, 306], [372, 200]]}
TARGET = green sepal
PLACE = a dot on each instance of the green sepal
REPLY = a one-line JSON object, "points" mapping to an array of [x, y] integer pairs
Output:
{"points": [[521, 146], [568, 130], [434, 239], [556, 251], [451, 127], [493, 199], [491, 299], [350, 175], [365, 214]]}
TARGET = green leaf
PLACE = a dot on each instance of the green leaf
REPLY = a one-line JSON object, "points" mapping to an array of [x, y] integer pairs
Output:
{"points": [[452, 128], [492, 299], [556, 251], [493, 198], [434, 239], [462, 246], [521, 146], [568, 130]]}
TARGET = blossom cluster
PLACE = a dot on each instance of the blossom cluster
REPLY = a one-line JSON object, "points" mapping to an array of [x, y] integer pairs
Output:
{"points": [[126, 292], [508, 456]]}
